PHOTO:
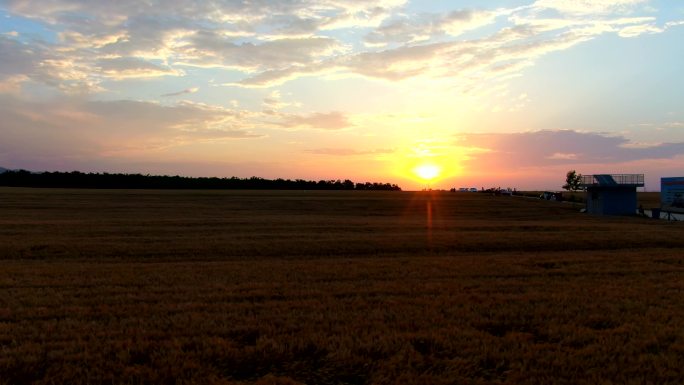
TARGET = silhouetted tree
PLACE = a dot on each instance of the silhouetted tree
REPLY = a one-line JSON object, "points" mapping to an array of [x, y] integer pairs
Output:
{"points": [[77, 179], [573, 181]]}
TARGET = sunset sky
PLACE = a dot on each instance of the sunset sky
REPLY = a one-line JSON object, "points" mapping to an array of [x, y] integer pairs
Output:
{"points": [[485, 93]]}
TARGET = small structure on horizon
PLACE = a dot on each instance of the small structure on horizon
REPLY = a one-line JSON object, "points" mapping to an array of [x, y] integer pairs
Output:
{"points": [[612, 194]]}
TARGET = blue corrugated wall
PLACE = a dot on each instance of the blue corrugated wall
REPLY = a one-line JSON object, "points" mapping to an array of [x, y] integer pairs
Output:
{"points": [[613, 200]]}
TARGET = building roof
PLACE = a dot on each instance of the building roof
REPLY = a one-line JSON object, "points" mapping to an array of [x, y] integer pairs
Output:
{"points": [[613, 180]]}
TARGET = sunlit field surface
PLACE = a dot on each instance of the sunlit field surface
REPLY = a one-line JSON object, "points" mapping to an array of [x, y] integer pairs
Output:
{"points": [[273, 287]]}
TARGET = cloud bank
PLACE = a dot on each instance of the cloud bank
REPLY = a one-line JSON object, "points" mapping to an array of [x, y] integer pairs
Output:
{"points": [[272, 42], [562, 147]]}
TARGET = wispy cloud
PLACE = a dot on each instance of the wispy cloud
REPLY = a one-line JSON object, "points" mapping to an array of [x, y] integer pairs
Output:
{"points": [[123, 68], [334, 120], [186, 91], [339, 151], [408, 30], [590, 7]]}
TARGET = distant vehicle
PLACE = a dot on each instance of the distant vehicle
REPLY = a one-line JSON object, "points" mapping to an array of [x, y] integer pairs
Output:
{"points": [[473, 189], [506, 192], [551, 196]]}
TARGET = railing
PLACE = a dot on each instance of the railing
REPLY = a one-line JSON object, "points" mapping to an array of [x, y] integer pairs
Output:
{"points": [[613, 180]]}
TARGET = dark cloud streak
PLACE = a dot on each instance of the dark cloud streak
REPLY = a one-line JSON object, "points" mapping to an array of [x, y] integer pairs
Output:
{"points": [[544, 148]]}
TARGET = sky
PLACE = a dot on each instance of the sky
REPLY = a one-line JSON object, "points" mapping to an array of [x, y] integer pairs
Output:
{"points": [[496, 93]]}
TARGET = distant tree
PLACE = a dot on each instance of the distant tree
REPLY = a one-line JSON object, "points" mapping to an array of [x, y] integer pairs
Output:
{"points": [[573, 181], [76, 179]]}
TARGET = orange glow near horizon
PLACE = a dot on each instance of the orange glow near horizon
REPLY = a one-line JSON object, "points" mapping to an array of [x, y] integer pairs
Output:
{"points": [[428, 163]]}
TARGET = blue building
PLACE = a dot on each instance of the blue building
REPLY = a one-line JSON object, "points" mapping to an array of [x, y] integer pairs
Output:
{"points": [[612, 194], [672, 194]]}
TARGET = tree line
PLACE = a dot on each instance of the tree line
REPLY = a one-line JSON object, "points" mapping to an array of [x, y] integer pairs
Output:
{"points": [[77, 179]]}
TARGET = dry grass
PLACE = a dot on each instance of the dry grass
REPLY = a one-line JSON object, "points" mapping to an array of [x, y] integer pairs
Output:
{"points": [[148, 287], [649, 199]]}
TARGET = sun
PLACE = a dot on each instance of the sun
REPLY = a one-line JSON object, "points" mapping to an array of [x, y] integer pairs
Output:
{"points": [[427, 171]]}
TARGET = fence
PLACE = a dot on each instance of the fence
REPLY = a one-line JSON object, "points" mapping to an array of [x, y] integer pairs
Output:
{"points": [[613, 180]]}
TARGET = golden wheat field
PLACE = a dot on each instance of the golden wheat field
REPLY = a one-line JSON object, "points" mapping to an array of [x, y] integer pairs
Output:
{"points": [[297, 287]]}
